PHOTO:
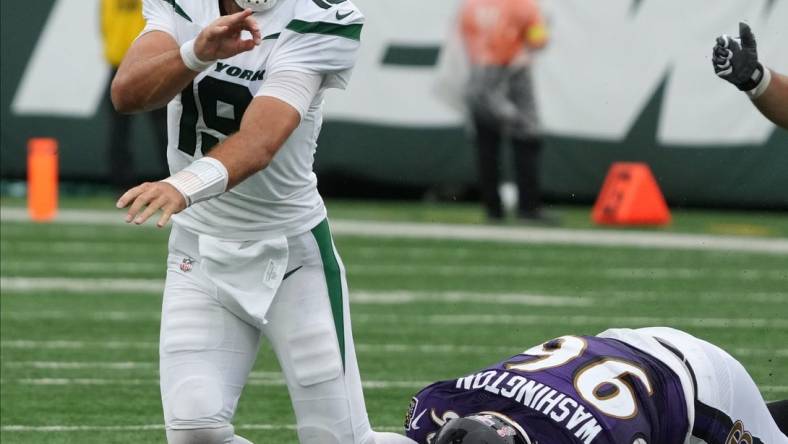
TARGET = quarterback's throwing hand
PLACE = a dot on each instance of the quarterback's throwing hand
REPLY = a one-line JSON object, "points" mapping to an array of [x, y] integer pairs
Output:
{"points": [[738, 62], [153, 196], [222, 39]]}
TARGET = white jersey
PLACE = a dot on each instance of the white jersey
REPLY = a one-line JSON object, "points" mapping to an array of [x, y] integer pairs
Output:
{"points": [[308, 36]]}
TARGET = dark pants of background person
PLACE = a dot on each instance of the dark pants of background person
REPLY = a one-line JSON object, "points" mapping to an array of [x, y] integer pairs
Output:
{"points": [[503, 105], [527, 157], [121, 160]]}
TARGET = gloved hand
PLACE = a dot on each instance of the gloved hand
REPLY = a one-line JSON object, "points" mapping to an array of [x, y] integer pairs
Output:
{"points": [[738, 63]]}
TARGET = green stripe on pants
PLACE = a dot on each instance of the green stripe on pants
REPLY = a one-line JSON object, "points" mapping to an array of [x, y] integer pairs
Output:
{"points": [[322, 234]]}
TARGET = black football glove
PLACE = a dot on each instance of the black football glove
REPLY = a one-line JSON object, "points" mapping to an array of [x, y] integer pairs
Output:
{"points": [[738, 63]]}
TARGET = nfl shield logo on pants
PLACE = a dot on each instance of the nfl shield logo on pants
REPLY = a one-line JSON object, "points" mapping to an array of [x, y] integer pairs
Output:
{"points": [[187, 263]]}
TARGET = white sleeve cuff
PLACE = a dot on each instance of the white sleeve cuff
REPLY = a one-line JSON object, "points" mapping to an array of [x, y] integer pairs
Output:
{"points": [[297, 89], [763, 86], [201, 180], [191, 60]]}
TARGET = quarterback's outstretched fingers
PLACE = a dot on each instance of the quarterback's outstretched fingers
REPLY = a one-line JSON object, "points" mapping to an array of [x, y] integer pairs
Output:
{"points": [[142, 200], [129, 196], [216, 31], [250, 24], [152, 208], [237, 20], [239, 17], [746, 36], [245, 23], [166, 213]]}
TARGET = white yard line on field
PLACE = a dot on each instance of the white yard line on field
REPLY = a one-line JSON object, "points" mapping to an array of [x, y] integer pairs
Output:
{"points": [[585, 321], [463, 270], [16, 284], [521, 235], [81, 428], [81, 365], [110, 269], [526, 235], [252, 381], [60, 315], [12, 266], [74, 247], [474, 320], [154, 427], [29, 344], [81, 285], [33, 344], [429, 349], [67, 286], [410, 297]]}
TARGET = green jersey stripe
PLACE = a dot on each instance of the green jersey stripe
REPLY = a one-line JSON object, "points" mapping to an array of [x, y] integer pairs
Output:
{"points": [[178, 9], [326, 4], [322, 235], [352, 32]]}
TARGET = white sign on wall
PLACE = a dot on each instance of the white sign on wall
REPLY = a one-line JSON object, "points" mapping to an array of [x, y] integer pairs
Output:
{"points": [[66, 74], [604, 64]]}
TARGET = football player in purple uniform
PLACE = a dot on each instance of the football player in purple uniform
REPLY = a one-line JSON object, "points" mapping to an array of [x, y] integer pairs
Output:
{"points": [[647, 386]]}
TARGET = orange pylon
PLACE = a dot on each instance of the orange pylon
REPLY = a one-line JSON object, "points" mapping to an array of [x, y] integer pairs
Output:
{"points": [[630, 196], [42, 179]]}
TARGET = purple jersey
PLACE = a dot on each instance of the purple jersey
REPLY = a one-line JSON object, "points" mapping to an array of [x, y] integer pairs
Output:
{"points": [[571, 390]]}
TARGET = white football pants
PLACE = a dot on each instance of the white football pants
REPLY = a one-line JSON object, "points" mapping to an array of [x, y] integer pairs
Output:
{"points": [[729, 407], [208, 348]]}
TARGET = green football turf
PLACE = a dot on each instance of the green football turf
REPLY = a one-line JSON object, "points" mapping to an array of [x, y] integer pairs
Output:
{"points": [[705, 221], [86, 360]]}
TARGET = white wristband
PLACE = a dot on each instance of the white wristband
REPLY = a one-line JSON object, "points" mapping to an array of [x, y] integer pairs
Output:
{"points": [[761, 88], [191, 60], [203, 179]]}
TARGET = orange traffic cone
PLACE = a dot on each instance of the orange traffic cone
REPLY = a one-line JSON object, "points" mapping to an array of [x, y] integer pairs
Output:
{"points": [[42, 179], [630, 196]]}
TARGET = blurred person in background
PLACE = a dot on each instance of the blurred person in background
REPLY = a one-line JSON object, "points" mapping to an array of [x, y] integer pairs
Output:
{"points": [[121, 23], [500, 37], [736, 60]]}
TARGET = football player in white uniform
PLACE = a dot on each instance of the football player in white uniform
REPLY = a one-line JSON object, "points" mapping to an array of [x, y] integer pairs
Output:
{"points": [[250, 253]]}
